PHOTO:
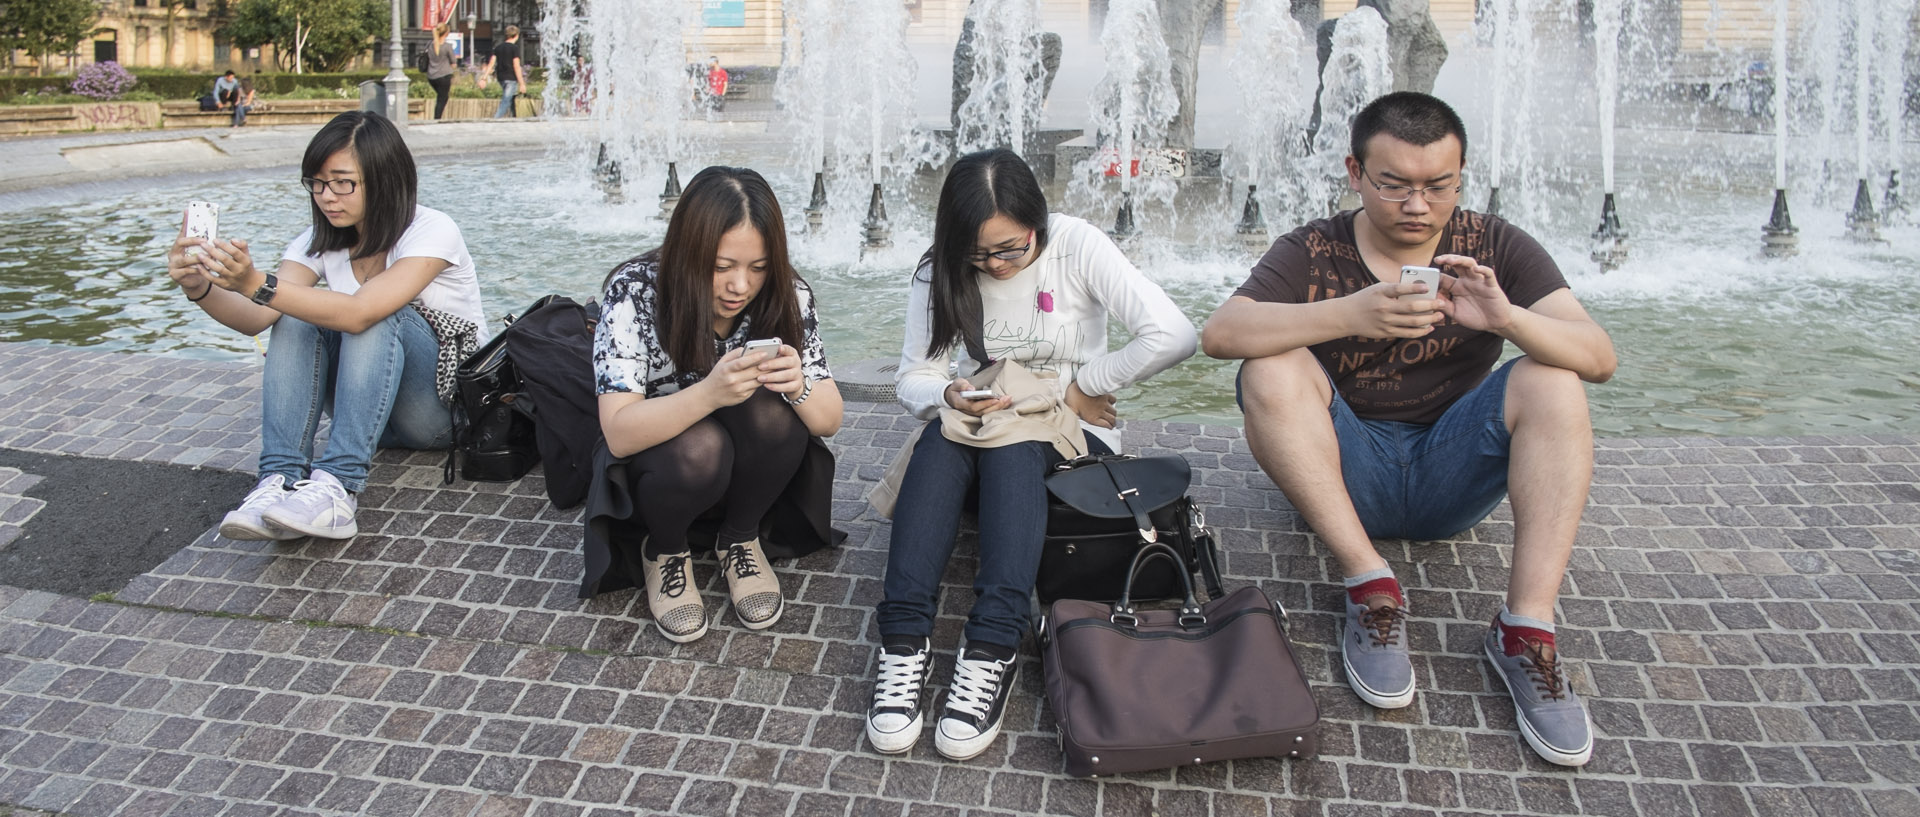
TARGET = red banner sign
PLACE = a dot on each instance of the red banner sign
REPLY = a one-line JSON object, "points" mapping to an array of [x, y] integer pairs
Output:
{"points": [[435, 12]]}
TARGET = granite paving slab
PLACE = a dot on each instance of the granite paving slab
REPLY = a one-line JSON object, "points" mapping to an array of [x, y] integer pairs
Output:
{"points": [[1741, 613]]}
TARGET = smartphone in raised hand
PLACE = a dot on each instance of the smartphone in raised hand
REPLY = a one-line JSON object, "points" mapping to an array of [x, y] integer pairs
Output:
{"points": [[202, 222]]}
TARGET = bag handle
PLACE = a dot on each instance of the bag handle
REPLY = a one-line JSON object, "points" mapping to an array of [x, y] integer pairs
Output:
{"points": [[1191, 615]]}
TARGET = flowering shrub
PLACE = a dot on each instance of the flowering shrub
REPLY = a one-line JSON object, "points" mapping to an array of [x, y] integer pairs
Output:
{"points": [[103, 80]]}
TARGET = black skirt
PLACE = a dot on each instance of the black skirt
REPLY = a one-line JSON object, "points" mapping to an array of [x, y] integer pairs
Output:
{"points": [[799, 523]]}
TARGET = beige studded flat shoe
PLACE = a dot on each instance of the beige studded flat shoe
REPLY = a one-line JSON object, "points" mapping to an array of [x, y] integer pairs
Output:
{"points": [[751, 584], [671, 597]]}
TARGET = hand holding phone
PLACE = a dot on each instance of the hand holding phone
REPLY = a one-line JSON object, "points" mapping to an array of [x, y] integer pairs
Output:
{"points": [[202, 222], [1425, 275], [977, 394]]}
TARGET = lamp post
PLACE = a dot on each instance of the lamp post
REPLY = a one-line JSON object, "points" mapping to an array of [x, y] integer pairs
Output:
{"points": [[396, 80]]}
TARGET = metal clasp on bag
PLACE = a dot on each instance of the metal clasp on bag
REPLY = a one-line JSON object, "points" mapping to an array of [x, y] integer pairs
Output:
{"points": [[1191, 617], [1126, 613]]}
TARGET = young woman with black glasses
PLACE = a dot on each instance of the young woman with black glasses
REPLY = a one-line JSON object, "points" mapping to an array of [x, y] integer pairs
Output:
{"points": [[360, 349], [1004, 280], [714, 390]]}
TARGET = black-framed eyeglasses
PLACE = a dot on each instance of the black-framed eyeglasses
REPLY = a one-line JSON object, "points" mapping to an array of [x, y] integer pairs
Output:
{"points": [[340, 187], [1004, 255], [1401, 192]]}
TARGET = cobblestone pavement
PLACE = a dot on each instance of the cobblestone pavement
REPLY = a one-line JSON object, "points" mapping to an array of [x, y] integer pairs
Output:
{"points": [[1742, 615]]}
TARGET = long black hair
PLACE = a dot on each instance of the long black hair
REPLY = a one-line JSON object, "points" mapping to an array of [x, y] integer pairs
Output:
{"points": [[714, 203], [980, 186], [389, 185]]}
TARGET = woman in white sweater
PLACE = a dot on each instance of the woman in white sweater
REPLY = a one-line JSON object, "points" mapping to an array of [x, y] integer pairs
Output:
{"points": [[1004, 280]]}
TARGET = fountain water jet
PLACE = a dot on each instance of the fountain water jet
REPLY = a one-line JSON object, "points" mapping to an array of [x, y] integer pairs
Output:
{"points": [[1357, 72], [1274, 69], [1863, 224], [1132, 107], [1609, 239], [1779, 238]]}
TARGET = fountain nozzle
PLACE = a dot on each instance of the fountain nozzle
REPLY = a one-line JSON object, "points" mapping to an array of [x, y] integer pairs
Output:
{"points": [[1123, 223], [1253, 226], [878, 237], [1780, 237], [1863, 225], [1493, 202], [670, 197], [1609, 239], [817, 206], [607, 176]]}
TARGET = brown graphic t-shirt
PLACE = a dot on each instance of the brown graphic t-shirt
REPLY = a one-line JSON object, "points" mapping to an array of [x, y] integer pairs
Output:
{"points": [[1411, 380]]}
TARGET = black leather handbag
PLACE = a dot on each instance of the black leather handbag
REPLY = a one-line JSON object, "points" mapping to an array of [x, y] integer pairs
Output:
{"points": [[1101, 509], [493, 421]]}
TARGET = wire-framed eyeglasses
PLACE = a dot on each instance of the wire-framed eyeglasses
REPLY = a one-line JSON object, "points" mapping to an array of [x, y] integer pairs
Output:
{"points": [[340, 187], [1004, 255], [1401, 192]]}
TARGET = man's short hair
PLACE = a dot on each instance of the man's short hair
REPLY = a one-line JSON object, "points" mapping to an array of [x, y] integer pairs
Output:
{"points": [[1409, 116], [228, 73], [512, 32]]}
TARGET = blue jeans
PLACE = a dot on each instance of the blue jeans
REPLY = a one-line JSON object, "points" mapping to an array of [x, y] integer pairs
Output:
{"points": [[377, 386], [1426, 482], [926, 517], [240, 114], [508, 89]]}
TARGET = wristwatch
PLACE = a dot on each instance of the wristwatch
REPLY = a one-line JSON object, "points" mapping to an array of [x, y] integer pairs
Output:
{"points": [[806, 391], [265, 293]]}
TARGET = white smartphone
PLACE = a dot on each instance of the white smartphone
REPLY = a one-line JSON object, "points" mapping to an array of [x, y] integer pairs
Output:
{"points": [[769, 345], [202, 222], [1426, 275], [977, 394]]}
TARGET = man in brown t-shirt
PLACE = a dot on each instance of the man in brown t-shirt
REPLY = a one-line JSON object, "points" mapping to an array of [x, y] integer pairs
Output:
{"points": [[1375, 405]]}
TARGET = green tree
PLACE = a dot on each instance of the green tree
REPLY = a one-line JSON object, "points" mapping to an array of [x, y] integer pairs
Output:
{"points": [[46, 27], [318, 35]]}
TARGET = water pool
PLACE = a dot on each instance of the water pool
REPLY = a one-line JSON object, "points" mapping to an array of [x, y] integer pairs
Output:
{"points": [[1711, 340]]}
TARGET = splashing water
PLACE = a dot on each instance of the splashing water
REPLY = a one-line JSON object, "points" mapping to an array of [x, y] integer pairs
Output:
{"points": [[1357, 72], [632, 83], [1004, 92], [1131, 107], [1273, 66], [847, 96]]}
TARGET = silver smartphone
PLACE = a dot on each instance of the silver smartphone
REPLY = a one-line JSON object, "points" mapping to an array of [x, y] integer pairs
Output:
{"points": [[1426, 275], [769, 345], [977, 394], [202, 222]]}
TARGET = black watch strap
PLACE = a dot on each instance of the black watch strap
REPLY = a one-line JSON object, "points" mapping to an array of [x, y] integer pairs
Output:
{"points": [[267, 289]]}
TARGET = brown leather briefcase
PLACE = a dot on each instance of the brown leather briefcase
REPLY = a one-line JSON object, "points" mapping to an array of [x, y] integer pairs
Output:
{"points": [[1133, 690]]}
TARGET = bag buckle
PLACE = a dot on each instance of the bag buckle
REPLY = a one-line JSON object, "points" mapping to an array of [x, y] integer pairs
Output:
{"points": [[1191, 617], [1126, 614]]}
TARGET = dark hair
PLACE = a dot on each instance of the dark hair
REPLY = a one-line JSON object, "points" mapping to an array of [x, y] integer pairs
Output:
{"points": [[387, 181], [716, 201], [980, 186], [228, 73], [1409, 116]]}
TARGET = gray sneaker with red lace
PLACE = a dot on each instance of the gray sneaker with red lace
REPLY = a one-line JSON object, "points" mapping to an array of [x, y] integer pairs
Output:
{"points": [[1373, 647], [1552, 717]]}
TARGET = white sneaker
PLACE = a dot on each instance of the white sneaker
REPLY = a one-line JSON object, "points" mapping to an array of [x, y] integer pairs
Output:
{"points": [[975, 704], [319, 506], [244, 524], [894, 719]]}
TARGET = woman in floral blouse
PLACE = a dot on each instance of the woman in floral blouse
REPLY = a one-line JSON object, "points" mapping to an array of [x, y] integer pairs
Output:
{"points": [[699, 426]]}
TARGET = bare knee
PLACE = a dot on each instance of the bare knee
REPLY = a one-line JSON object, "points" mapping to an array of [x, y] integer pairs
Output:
{"points": [[1283, 383], [1539, 391]]}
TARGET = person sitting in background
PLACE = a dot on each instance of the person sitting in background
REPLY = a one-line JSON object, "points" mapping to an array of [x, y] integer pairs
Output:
{"points": [[243, 102]]}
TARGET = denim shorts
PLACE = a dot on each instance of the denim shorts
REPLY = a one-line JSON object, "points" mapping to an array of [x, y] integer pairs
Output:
{"points": [[1426, 482]]}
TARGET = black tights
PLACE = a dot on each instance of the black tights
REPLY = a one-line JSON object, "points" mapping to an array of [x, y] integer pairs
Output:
{"points": [[738, 459]]}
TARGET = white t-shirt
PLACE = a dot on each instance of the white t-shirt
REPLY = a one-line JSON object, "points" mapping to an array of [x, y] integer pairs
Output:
{"points": [[456, 290], [1052, 317]]}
